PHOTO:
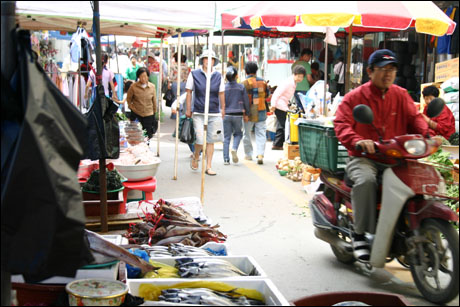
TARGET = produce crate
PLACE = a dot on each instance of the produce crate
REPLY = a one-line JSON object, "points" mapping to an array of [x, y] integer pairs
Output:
{"points": [[320, 148], [266, 287]]}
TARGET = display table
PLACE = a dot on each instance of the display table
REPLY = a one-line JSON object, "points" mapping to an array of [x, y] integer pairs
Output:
{"points": [[147, 186]]}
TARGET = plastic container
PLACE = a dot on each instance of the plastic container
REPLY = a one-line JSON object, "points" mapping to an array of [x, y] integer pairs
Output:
{"points": [[320, 148], [139, 172], [294, 130], [370, 298], [37, 295], [96, 292]]}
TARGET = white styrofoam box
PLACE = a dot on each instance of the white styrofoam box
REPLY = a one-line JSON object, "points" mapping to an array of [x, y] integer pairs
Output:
{"points": [[451, 97], [456, 115], [453, 106], [246, 264], [271, 294]]}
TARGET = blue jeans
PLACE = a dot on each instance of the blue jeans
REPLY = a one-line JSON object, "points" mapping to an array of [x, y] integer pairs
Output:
{"points": [[260, 132], [233, 125]]}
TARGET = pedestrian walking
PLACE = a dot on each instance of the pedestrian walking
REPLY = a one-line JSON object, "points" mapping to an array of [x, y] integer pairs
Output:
{"points": [[142, 102], [196, 83], [236, 107], [257, 90], [280, 102]]}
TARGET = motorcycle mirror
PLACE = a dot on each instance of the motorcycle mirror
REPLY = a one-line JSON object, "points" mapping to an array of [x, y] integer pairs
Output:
{"points": [[435, 107], [363, 114]]}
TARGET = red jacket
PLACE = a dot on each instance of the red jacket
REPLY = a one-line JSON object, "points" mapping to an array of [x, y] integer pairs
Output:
{"points": [[394, 114], [445, 121]]}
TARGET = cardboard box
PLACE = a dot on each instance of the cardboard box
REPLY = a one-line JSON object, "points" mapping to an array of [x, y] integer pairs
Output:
{"points": [[446, 70], [291, 151]]}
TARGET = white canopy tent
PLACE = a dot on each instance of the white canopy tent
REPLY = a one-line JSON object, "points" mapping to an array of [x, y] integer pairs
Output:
{"points": [[133, 18]]}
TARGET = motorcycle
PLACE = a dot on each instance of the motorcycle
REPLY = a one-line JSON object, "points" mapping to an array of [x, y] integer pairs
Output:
{"points": [[413, 224]]}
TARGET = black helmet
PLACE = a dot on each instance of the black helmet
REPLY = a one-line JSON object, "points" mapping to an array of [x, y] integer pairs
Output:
{"points": [[231, 73]]}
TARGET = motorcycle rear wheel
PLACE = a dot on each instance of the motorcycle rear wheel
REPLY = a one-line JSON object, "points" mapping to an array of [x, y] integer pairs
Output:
{"points": [[343, 256], [435, 272]]}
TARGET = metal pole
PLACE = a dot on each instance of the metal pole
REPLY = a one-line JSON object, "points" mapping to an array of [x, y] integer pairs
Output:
{"points": [[8, 66], [425, 55], [325, 82], [223, 53], [102, 171], [206, 111], [160, 101], [177, 102], [347, 76]]}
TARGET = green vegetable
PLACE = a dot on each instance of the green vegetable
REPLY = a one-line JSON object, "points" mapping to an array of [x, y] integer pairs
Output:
{"points": [[442, 157], [121, 116], [113, 181], [453, 140]]}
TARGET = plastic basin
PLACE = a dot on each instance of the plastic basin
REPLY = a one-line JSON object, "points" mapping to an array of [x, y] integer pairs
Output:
{"points": [[370, 298], [139, 172]]}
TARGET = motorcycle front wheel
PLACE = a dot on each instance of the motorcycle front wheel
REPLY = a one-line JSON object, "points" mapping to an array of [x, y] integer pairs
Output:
{"points": [[435, 267]]}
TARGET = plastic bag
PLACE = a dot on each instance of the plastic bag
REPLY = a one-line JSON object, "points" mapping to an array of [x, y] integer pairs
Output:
{"points": [[450, 85], [187, 133], [271, 123]]}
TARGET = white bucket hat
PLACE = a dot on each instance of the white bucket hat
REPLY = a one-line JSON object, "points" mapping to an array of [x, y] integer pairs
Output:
{"points": [[205, 54]]}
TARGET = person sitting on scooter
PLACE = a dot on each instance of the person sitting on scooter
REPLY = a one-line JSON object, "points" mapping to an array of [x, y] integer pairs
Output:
{"points": [[444, 124], [394, 114]]}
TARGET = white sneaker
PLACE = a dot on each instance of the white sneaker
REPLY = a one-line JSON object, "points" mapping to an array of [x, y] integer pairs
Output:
{"points": [[234, 156], [226, 162]]}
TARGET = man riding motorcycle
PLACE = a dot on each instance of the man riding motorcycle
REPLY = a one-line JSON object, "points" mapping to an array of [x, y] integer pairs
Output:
{"points": [[394, 114]]}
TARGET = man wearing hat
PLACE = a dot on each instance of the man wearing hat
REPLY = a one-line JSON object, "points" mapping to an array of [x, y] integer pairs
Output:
{"points": [[394, 114], [196, 83]]}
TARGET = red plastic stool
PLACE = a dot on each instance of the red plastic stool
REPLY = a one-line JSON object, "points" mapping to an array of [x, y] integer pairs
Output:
{"points": [[146, 186]]}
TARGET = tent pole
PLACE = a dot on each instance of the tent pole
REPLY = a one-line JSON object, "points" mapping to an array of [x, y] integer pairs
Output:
{"points": [[347, 76], [325, 81], [425, 55], [116, 55], [102, 170], [206, 111], [8, 66], [160, 101], [177, 102], [223, 53]]}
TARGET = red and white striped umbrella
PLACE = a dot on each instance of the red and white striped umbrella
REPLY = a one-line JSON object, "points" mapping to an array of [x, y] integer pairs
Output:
{"points": [[364, 16]]}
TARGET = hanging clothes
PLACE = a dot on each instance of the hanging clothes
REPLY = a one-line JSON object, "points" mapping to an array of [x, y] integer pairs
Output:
{"points": [[445, 41], [103, 130]]}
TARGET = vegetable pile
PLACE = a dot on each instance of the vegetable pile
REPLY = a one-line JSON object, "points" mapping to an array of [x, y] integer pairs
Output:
{"points": [[113, 181]]}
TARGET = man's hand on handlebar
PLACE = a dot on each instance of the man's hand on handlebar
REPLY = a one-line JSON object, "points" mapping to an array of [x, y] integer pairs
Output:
{"points": [[366, 146]]}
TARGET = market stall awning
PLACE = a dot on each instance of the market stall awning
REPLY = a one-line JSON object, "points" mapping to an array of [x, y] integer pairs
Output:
{"points": [[364, 16], [133, 18]]}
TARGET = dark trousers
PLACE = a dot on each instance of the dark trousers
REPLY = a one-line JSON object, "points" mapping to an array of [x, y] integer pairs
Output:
{"points": [[279, 137], [341, 89], [148, 123]]}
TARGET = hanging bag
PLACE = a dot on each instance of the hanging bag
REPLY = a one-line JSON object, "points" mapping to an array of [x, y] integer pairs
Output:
{"points": [[187, 133]]}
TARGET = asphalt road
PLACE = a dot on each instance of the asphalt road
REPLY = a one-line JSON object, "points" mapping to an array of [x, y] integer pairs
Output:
{"points": [[266, 216]]}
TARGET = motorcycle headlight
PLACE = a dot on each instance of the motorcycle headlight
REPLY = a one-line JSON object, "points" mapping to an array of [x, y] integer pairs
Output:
{"points": [[415, 147]]}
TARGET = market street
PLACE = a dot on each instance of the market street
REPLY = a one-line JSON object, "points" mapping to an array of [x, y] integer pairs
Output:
{"points": [[265, 216]]}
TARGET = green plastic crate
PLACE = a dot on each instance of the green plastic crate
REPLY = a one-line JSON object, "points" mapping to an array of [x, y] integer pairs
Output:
{"points": [[320, 148]]}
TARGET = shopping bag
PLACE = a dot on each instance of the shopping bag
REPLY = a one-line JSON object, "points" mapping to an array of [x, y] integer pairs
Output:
{"points": [[187, 133], [271, 123]]}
